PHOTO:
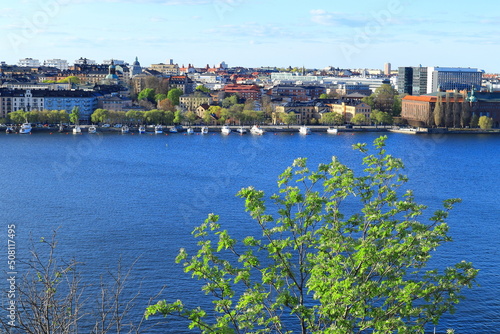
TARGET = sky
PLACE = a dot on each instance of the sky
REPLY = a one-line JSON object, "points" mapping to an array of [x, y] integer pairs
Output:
{"points": [[255, 33]]}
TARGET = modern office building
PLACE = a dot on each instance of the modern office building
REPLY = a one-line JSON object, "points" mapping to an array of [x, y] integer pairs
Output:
{"points": [[405, 80], [451, 78], [425, 80]]}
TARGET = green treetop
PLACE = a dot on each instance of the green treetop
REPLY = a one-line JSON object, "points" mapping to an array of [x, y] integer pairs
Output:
{"points": [[339, 253]]}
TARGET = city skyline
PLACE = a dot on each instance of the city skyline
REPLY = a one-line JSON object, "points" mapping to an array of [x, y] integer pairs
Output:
{"points": [[254, 33]]}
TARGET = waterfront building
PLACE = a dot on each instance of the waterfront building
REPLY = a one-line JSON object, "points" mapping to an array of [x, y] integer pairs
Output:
{"points": [[349, 108], [305, 112], [450, 78], [191, 102], [37, 100], [418, 110], [425, 80]]}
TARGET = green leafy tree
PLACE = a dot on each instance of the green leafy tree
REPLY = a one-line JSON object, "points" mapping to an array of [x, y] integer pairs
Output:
{"points": [[203, 89], [385, 98], [448, 112], [324, 96], [381, 117], [135, 116], [438, 112], [208, 114], [190, 117], [229, 101], [474, 121], [174, 94], [74, 117], [369, 100], [147, 94], [178, 117], [316, 269], [330, 118], [100, 115], [159, 97], [17, 117], [33, 116], [289, 118], [224, 115], [359, 119], [465, 114], [456, 111], [397, 106], [485, 122], [62, 116], [154, 116]]}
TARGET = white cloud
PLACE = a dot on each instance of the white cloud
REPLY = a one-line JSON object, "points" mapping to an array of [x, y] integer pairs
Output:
{"points": [[325, 18]]}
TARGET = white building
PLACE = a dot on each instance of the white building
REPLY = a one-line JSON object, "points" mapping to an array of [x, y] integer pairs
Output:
{"points": [[29, 62], [115, 61], [57, 63], [82, 61]]}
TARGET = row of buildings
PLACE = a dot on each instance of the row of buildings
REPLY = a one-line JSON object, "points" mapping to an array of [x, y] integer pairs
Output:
{"points": [[32, 85], [425, 80]]}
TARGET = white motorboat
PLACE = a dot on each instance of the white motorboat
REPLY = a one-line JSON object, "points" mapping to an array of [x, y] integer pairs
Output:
{"points": [[241, 130], [77, 130], [190, 131], [225, 130], [158, 129], [256, 130], [25, 128], [304, 130], [173, 130], [204, 130], [92, 129], [142, 129], [125, 129], [332, 131]]}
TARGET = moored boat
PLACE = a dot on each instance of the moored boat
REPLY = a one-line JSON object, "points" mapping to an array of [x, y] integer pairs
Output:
{"points": [[125, 129], [92, 129], [204, 130], [225, 130], [142, 129], [25, 128], [77, 130], [190, 131], [9, 129], [304, 130], [332, 131], [241, 130], [256, 130], [158, 129]]}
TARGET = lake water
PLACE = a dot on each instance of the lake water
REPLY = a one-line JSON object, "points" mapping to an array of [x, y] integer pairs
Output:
{"points": [[138, 197]]}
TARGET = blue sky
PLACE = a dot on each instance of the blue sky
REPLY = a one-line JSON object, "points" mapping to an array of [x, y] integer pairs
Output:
{"points": [[254, 33]]}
